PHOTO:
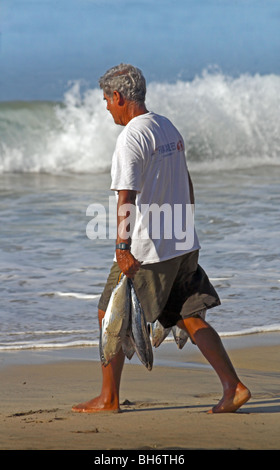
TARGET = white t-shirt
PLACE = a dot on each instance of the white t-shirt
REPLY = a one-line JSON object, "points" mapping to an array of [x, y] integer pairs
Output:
{"points": [[150, 158]]}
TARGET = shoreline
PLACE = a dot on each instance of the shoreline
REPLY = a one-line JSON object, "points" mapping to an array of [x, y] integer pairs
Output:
{"points": [[166, 355], [165, 408]]}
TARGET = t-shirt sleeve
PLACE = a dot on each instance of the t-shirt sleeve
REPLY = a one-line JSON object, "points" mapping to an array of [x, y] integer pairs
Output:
{"points": [[127, 167]]}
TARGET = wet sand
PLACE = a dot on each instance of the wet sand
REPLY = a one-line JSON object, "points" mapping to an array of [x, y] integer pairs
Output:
{"points": [[162, 409]]}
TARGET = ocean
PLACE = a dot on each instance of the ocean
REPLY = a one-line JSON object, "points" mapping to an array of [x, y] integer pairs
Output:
{"points": [[55, 157]]}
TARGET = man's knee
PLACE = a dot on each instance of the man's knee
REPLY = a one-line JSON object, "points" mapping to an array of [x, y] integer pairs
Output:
{"points": [[192, 325]]}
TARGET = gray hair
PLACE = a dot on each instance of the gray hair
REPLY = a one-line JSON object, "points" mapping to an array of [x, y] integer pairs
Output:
{"points": [[127, 80]]}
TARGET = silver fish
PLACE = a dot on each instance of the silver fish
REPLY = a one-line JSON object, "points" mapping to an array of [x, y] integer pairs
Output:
{"points": [[139, 331], [180, 336], [115, 322], [158, 333], [127, 345]]}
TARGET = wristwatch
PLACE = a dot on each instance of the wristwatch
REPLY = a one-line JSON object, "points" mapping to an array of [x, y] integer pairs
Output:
{"points": [[122, 246]]}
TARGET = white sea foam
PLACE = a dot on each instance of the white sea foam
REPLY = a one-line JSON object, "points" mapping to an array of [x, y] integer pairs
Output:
{"points": [[49, 339], [78, 295], [251, 331], [45, 345], [226, 123]]}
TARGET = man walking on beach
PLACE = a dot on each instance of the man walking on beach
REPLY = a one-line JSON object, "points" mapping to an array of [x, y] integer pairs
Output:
{"points": [[149, 170]]}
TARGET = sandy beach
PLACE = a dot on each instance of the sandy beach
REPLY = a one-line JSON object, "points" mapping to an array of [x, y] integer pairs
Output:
{"points": [[162, 409]]}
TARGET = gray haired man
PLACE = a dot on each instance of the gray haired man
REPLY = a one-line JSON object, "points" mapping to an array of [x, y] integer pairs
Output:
{"points": [[149, 169]]}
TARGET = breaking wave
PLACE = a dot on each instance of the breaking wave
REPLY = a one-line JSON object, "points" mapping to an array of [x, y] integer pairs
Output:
{"points": [[226, 123]]}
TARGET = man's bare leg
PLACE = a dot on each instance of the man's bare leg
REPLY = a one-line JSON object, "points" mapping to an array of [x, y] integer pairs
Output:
{"points": [[210, 344], [108, 400]]}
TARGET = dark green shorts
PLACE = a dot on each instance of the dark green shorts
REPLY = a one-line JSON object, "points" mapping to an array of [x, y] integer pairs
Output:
{"points": [[169, 290]]}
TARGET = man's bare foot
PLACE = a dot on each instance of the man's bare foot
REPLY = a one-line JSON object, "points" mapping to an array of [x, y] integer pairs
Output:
{"points": [[96, 405], [232, 400]]}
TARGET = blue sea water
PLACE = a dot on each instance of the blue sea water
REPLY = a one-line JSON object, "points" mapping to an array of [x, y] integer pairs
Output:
{"points": [[213, 68]]}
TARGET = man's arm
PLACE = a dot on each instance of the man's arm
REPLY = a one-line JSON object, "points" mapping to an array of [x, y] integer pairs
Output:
{"points": [[125, 213]]}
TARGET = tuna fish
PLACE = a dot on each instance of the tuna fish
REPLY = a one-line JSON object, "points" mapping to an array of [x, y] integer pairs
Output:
{"points": [[180, 336], [127, 345], [158, 333], [115, 322], [139, 331]]}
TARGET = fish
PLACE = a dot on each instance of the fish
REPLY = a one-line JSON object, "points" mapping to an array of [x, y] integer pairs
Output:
{"points": [[158, 333], [139, 331], [180, 336], [115, 323], [127, 345]]}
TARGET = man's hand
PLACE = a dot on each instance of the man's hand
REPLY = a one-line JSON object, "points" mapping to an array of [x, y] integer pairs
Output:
{"points": [[127, 263]]}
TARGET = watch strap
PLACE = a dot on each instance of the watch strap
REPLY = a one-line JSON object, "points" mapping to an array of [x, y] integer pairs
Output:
{"points": [[122, 246]]}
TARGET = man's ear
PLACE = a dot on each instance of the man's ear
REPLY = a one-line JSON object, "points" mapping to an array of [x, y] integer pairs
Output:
{"points": [[118, 98]]}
